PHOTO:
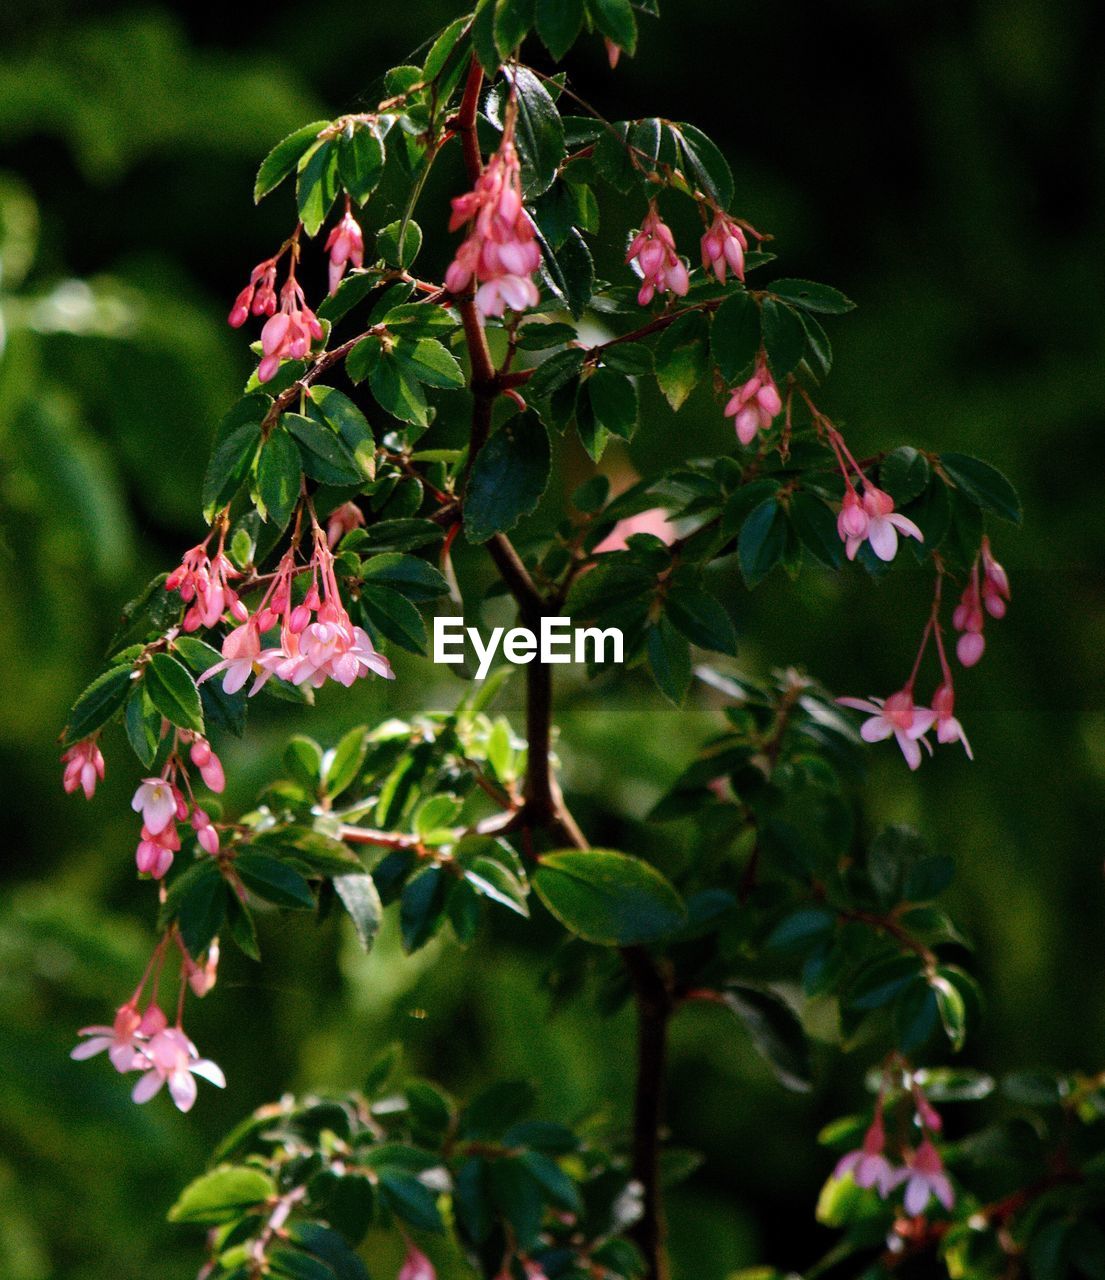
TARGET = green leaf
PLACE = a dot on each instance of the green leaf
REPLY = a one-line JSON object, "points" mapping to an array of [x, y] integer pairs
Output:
{"points": [[284, 157], [614, 402], [274, 881], [555, 372], [173, 692], [616, 20], [416, 579], [200, 906], [492, 880], [540, 131], [232, 454], [325, 456], [318, 851], [810, 296], [345, 761], [559, 23], [815, 525], [361, 899], [735, 335], [904, 474], [420, 907], [430, 363], [784, 337], [389, 248], [952, 1009], [334, 409], [706, 166], [393, 381], [222, 1195], [513, 19], [279, 475], [317, 186], [517, 1194], [701, 617], [508, 478], [983, 484], [499, 1106], [142, 721], [361, 161], [607, 897], [554, 1182], [763, 539], [410, 1200], [775, 1030], [303, 760], [681, 358], [570, 272], [669, 658], [394, 617], [99, 702]]}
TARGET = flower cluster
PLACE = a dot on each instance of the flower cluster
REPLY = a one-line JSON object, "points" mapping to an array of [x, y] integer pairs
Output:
{"points": [[500, 252], [288, 334], [345, 245], [755, 405], [162, 804], [204, 583], [724, 245], [872, 519], [317, 639], [922, 1171], [652, 251], [84, 767], [258, 297], [987, 592]]}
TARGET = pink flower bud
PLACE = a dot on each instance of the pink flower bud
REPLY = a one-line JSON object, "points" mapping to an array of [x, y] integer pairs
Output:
{"points": [[969, 647]]}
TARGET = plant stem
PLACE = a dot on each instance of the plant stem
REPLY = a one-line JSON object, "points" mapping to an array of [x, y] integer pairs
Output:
{"points": [[543, 805]]}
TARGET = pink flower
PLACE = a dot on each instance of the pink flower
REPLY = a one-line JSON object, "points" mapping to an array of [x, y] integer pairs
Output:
{"points": [[948, 728], [241, 649], [924, 1177], [343, 520], [613, 52], [201, 978], [652, 250], [84, 767], [209, 765], [654, 521], [723, 247], [501, 251], [205, 584], [154, 855], [895, 716], [206, 834], [868, 1166], [345, 245], [754, 406], [995, 583], [121, 1039], [259, 296], [882, 527], [416, 1266], [171, 1057], [156, 800], [288, 334]]}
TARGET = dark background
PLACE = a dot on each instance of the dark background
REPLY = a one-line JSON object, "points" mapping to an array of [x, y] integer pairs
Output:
{"points": [[940, 162]]}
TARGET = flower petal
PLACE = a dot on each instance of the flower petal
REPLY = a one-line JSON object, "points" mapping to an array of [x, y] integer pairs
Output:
{"points": [[876, 729], [883, 538], [147, 1086], [910, 748]]}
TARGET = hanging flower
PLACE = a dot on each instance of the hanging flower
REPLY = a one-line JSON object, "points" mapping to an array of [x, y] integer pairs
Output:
{"points": [[84, 767], [172, 1059], [924, 1178], [898, 717], [755, 405], [723, 247], [652, 251]]}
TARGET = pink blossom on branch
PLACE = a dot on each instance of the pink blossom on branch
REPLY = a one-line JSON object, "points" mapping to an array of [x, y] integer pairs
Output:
{"points": [[84, 767], [755, 405], [896, 717], [288, 334], [873, 519], [416, 1266], [204, 583], [948, 728], [258, 297], [924, 1178], [724, 245], [868, 1165], [500, 253], [343, 520], [345, 245], [652, 251], [171, 1058]]}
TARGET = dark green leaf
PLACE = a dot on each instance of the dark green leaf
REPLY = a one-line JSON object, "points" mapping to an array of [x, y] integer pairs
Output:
{"points": [[274, 881], [325, 456], [775, 1030], [815, 525], [701, 618], [99, 702], [143, 725], [389, 248], [232, 454], [983, 484], [570, 272], [904, 474], [784, 337], [616, 20], [173, 692], [361, 161], [420, 907], [410, 1200], [394, 617], [508, 478], [540, 131], [416, 579], [559, 22], [613, 400], [607, 897], [317, 186], [361, 899], [810, 296], [669, 659], [735, 335], [763, 539], [706, 167], [279, 475], [201, 906], [682, 358], [284, 157], [222, 1195]]}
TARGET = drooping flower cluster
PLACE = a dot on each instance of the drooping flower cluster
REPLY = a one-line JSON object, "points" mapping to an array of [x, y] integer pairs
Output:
{"points": [[724, 245], [288, 334], [987, 592], [922, 1171], [872, 519], [204, 583], [345, 245], [84, 767], [500, 252], [653, 252], [163, 805], [258, 297], [343, 520], [755, 405], [317, 640]]}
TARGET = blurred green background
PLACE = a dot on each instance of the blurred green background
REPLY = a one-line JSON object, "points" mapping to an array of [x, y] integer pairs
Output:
{"points": [[940, 162]]}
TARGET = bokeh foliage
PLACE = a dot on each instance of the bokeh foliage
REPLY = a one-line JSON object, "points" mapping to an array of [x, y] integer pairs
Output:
{"points": [[941, 164]]}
